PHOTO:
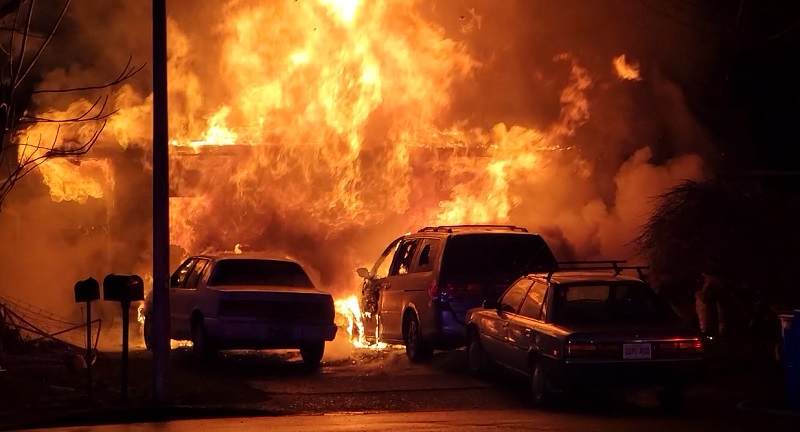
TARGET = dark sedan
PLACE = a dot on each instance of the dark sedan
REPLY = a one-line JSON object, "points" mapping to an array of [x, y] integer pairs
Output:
{"points": [[571, 330]]}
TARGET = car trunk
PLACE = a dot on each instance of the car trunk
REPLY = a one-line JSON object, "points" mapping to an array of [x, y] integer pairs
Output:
{"points": [[275, 303], [637, 341]]}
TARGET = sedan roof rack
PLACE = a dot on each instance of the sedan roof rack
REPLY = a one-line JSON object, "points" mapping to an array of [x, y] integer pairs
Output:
{"points": [[615, 265], [453, 228]]}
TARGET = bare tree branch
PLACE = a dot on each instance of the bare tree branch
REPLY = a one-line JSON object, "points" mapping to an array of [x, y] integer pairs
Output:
{"points": [[127, 73], [27, 150]]}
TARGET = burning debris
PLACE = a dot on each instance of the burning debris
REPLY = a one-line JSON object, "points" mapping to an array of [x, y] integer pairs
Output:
{"points": [[625, 70]]}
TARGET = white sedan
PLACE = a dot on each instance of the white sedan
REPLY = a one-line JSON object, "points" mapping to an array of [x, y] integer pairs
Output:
{"points": [[243, 301]]}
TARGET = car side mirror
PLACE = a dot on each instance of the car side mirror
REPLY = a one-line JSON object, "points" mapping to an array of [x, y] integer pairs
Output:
{"points": [[364, 273], [490, 304]]}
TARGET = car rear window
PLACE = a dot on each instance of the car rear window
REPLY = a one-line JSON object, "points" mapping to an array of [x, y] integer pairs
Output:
{"points": [[511, 254], [608, 303], [259, 272]]}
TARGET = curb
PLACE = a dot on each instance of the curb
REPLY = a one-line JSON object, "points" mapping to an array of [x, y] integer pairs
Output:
{"points": [[139, 414], [771, 408]]}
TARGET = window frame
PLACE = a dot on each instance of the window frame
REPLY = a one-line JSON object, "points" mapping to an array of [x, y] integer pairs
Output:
{"points": [[174, 280], [389, 254], [513, 286], [539, 314], [432, 254], [193, 272], [395, 269]]}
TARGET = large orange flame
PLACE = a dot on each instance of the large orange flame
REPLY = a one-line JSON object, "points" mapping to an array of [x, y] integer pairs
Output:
{"points": [[335, 115]]}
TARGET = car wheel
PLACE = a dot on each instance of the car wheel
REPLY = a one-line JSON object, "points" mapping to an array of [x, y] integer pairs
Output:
{"points": [[416, 348], [312, 353], [201, 346], [479, 362], [147, 333], [540, 386]]}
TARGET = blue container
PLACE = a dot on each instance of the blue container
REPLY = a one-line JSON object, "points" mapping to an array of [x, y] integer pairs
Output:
{"points": [[791, 356]]}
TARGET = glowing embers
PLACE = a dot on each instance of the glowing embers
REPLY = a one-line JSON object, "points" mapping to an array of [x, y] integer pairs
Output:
{"points": [[626, 70]]}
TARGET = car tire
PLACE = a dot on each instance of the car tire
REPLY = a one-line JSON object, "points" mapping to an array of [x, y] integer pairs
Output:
{"points": [[202, 347], [147, 333], [312, 353], [479, 362], [416, 348], [540, 386]]}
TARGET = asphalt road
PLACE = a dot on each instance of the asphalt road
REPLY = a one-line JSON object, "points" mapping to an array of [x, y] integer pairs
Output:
{"points": [[473, 420], [381, 390]]}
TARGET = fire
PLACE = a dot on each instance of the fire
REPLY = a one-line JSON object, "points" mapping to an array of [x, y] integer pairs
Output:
{"points": [[349, 308], [77, 180], [332, 116], [625, 70]]}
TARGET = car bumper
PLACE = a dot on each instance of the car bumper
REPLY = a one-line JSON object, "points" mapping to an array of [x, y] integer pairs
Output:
{"points": [[449, 333], [251, 334], [587, 374]]}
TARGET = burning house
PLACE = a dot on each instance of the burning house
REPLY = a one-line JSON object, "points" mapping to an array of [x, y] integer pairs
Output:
{"points": [[322, 128]]}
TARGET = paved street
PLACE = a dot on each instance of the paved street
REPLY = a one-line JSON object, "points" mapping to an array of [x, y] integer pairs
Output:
{"points": [[383, 382], [381, 390], [473, 420]]}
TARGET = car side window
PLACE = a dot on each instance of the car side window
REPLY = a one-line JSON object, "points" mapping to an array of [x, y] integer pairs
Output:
{"points": [[178, 279], [512, 298], [384, 263], [532, 306], [548, 296], [428, 250], [403, 257], [197, 272]]}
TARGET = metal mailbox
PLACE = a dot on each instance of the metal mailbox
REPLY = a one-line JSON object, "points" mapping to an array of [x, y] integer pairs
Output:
{"points": [[87, 290], [123, 288]]}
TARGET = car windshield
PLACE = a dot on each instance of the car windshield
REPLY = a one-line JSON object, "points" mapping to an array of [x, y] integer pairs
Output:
{"points": [[478, 254], [608, 303], [259, 272]]}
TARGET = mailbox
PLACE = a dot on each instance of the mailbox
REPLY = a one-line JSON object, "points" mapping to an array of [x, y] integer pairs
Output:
{"points": [[123, 288], [87, 290]]}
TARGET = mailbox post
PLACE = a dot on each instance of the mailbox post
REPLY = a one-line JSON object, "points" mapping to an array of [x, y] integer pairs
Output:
{"points": [[124, 289], [87, 291]]}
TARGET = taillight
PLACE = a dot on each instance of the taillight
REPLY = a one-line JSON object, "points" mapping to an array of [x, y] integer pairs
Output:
{"points": [[446, 291], [591, 350], [682, 347], [432, 289]]}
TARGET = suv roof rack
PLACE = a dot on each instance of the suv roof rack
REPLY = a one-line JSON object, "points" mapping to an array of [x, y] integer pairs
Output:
{"points": [[615, 265], [453, 228]]}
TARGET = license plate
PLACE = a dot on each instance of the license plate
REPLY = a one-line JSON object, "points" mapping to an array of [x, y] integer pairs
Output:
{"points": [[639, 351]]}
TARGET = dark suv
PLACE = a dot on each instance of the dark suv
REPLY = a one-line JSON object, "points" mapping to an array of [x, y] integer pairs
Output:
{"points": [[419, 290]]}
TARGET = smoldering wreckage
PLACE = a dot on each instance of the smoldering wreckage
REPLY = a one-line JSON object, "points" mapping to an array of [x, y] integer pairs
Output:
{"points": [[335, 130]]}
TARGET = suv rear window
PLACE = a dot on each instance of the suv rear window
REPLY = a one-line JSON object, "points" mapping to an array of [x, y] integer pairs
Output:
{"points": [[608, 303], [259, 272], [507, 254]]}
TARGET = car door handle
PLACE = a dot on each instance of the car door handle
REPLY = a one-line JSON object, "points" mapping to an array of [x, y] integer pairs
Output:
{"points": [[527, 332]]}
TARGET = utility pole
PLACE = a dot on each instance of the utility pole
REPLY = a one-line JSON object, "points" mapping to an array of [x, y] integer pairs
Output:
{"points": [[160, 314]]}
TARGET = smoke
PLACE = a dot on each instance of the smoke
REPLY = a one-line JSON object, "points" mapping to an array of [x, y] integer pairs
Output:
{"points": [[485, 112]]}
